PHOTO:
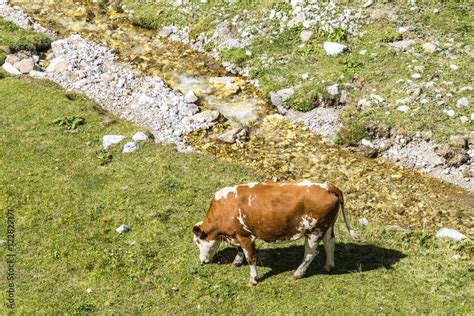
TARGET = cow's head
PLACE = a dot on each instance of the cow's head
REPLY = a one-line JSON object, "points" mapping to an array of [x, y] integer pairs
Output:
{"points": [[207, 247]]}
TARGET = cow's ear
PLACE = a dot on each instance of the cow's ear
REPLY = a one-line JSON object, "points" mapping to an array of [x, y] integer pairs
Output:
{"points": [[198, 232]]}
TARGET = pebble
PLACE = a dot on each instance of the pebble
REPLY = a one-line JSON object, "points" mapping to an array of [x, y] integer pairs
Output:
{"points": [[206, 116], [366, 142], [334, 49], [363, 221], [130, 147], [333, 89], [190, 97], [449, 112], [429, 47], [463, 102], [454, 67], [122, 229], [139, 136], [403, 108], [89, 290], [450, 233], [306, 35], [9, 68], [25, 65], [305, 76], [416, 76], [456, 257], [109, 140]]}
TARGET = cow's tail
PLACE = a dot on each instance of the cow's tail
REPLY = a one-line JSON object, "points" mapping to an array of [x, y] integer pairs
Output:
{"points": [[335, 190]]}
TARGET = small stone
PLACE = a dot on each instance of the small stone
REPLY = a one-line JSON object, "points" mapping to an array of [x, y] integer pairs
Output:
{"points": [[130, 147], [334, 49], [450, 233], [25, 65], [363, 52], [231, 136], [402, 30], [190, 97], [429, 47], [366, 142], [464, 119], [463, 102], [456, 257], [11, 69], [368, 3], [12, 59], [363, 221], [140, 136], [305, 76], [454, 67], [306, 35], [449, 112], [333, 90], [109, 140], [402, 45], [58, 64], [416, 76], [89, 290], [206, 116], [122, 229], [37, 74], [403, 108], [167, 31]]}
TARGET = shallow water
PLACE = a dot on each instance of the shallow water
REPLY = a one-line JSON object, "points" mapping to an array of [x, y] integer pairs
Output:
{"points": [[276, 149]]}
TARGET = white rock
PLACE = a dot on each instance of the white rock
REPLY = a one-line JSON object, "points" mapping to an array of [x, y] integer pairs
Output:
{"points": [[333, 49], [402, 30], [454, 67], [366, 142], [449, 112], [130, 147], [206, 116], [464, 119], [456, 257], [58, 64], [89, 290], [25, 65], [463, 102], [37, 74], [403, 108], [190, 97], [368, 3], [472, 116], [122, 229], [416, 76], [11, 69], [467, 88], [402, 45], [429, 47], [333, 89], [450, 233], [109, 140], [363, 221], [363, 52], [305, 76], [306, 35], [139, 136]]}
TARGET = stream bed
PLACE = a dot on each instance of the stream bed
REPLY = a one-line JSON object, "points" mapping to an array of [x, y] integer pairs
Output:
{"points": [[277, 149]]}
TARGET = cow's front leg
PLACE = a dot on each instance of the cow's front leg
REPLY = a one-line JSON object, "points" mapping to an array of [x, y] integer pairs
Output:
{"points": [[239, 258], [310, 251], [248, 246]]}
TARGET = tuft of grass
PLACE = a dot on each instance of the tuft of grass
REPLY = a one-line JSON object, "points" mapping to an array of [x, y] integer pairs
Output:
{"points": [[17, 39], [236, 56]]}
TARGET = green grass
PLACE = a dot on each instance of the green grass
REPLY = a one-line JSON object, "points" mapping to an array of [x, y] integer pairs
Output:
{"points": [[67, 204], [17, 39]]}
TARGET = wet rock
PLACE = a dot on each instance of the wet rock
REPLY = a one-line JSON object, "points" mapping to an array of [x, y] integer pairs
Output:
{"points": [[206, 116], [227, 85], [429, 47], [190, 97], [130, 147], [9, 68], [334, 49], [140, 136], [122, 229], [402, 45], [306, 35], [58, 64], [231, 136], [450, 233], [463, 102], [333, 90], [25, 65], [109, 140]]}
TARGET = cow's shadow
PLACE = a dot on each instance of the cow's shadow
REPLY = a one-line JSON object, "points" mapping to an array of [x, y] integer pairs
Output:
{"points": [[349, 257]]}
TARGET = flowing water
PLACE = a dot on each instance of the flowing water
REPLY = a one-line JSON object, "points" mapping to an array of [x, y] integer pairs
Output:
{"points": [[275, 148]]}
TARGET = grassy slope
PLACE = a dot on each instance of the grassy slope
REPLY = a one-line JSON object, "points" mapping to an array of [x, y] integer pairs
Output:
{"points": [[16, 39], [67, 206], [379, 69]]}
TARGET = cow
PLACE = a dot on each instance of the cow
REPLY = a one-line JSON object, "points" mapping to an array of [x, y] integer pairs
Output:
{"points": [[272, 212]]}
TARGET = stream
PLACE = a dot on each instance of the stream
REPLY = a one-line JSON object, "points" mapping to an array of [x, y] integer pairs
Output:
{"points": [[275, 148]]}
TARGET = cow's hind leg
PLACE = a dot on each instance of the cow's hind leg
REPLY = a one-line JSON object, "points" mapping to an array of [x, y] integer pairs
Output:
{"points": [[239, 258], [248, 246], [329, 246], [310, 251]]}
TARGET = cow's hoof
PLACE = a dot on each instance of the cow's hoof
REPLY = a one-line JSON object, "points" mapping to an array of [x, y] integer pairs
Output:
{"points": [[252, 283], [328, 267], [297, 275], [237, 264]]}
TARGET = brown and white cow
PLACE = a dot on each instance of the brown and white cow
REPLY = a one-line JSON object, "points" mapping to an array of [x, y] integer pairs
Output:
{"points": [[273, 212]]}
